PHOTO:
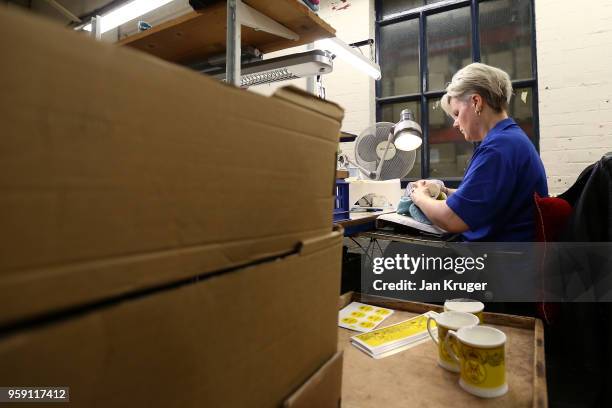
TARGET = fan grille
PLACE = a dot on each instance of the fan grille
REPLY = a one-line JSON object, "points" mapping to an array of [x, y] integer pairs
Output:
{"points": [[365, 153], [366, 148]]}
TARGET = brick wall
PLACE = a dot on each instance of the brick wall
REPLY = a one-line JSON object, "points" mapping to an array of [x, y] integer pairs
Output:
{"points": [[574, 47], [352, 89]]}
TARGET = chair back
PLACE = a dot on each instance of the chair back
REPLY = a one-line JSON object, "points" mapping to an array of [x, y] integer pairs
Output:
{"points": [[552, 215]]}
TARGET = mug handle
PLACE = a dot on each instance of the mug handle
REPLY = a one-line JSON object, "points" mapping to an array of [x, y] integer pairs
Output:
{"points": [[429, 319], [447, 344]]}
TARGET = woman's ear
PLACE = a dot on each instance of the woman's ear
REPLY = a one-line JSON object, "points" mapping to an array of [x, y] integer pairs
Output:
{"points": [[476, 102]]}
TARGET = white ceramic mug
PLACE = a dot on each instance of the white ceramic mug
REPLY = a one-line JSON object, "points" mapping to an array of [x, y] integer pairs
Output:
{"points": [[465, 305], [480, 351], [448, 321]]}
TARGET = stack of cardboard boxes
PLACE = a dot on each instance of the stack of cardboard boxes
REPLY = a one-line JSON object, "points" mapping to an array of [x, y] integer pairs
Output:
{"points": [[166, 239]]}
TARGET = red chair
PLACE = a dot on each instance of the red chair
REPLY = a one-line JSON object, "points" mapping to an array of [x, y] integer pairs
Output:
{"points": [[552, 214]]}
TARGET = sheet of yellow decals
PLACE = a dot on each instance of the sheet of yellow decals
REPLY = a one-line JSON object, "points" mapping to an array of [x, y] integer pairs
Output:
{"points": [[361, 317], [399, 333]]}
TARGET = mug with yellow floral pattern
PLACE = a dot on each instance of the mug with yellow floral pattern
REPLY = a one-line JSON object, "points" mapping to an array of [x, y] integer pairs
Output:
{"points": [[480, 352], [446, 321]]}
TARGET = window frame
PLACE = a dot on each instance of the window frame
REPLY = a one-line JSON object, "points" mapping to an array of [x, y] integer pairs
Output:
{"points": [[422, 97]]}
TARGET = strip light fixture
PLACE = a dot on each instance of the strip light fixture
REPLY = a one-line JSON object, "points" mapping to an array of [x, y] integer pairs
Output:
{"points": [[300, 65], [350, 55], [127, 12]]}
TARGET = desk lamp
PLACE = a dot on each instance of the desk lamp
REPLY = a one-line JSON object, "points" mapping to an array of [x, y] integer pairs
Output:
{"points": [[381, 144], [407, 132]]}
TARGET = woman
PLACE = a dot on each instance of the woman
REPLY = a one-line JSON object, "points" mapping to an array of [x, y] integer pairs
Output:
{"points": [[495, 200]]}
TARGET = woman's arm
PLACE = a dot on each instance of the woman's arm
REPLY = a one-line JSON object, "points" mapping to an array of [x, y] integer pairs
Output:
{"points": [[438, 212]]}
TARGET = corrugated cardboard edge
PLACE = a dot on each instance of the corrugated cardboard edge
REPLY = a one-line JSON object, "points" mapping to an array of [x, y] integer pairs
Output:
{"points": [[307, 100], [308, 246], [117, 278], [322, 390]]}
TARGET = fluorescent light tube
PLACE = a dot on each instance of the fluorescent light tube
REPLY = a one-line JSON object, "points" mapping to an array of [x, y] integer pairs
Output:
{"points": [[127, 12], [350, 55]]}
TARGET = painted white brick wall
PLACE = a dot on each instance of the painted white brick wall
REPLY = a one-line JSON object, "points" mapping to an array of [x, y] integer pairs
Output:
{"points": [[574, 47], [352, 89]]}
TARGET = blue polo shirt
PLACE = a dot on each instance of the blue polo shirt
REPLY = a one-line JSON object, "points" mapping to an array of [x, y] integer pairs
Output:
{"points": [[495, 198]]}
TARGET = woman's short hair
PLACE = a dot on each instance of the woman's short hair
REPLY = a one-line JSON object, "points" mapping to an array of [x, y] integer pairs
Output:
{"points": [[491, 83]]}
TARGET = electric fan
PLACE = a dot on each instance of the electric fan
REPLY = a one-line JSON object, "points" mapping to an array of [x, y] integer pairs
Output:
{"points": [[387, 150]]}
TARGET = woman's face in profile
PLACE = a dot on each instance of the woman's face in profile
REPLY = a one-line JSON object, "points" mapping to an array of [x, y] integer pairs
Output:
{"points": [[466, 119]]}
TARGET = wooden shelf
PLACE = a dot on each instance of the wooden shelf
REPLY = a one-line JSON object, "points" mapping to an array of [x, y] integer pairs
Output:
{"points": [[199, 34]]}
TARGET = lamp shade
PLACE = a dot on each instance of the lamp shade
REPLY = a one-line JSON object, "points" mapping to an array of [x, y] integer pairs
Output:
{"points": [[407, 133], [408, 141]]}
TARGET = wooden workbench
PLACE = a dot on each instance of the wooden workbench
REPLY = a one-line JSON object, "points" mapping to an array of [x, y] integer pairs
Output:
{"points": [[412, 377], [360, 222], [199, 34]]}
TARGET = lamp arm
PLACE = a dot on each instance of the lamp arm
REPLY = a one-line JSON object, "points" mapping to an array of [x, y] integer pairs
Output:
{"points": [[370, 174], [384, 156]]}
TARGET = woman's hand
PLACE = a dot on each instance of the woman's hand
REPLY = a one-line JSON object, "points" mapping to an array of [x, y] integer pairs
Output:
{"points": [[438, 212], [427, 183], [420, 193]]}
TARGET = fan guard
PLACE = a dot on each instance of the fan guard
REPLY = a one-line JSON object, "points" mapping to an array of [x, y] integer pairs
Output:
{"points": [[370, 147]]}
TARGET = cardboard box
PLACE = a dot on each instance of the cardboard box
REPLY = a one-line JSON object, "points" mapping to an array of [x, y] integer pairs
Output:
{"points": [[246, 337], [120, 172], [323, 388]]}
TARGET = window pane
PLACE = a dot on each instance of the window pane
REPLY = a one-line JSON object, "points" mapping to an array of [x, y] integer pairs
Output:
{"points": [[521, 110], [397, 6], [391, 113], [449, 153], [505, 36], [449, 45], [399, 58]]}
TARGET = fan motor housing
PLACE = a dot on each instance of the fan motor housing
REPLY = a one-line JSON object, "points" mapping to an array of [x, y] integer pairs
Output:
{"points": [[380, 150]]}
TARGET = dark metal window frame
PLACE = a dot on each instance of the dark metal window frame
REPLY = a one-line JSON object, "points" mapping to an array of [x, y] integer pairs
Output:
{"points": [[423, 96]]}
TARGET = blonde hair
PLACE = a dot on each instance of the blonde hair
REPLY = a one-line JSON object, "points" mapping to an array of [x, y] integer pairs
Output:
{"points": [[491, 83]]}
